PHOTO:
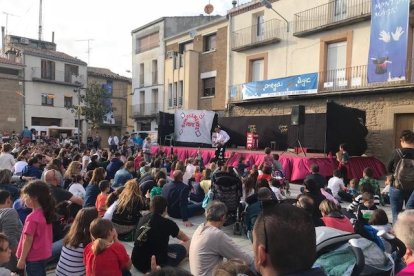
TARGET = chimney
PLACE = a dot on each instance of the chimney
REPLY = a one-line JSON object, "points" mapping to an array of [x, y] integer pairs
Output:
{"points": [[3, 38], [53, 37], [11, 55], [234, 3]]}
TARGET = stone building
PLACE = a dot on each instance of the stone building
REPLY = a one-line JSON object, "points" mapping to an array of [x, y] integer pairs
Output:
{"points": [[119, 88], [148, 65], [11, 94], [195, 68], [327, 38]]}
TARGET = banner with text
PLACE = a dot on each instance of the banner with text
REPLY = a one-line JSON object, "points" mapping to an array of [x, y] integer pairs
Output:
{"points": [[293, 85], [389, 36], [193, 126]]}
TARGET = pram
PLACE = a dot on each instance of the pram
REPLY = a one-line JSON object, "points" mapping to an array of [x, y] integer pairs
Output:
{"points": [[284, 183], [348, 254]]}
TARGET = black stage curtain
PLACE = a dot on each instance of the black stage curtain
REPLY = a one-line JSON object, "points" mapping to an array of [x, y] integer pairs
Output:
{"points": [[346, 125]]}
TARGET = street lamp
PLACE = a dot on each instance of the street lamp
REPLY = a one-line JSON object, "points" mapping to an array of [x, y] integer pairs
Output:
{"points": [[268, 5], [78, 90]]}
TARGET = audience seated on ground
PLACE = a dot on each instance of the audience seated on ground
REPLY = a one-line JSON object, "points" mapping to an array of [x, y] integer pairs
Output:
{"points": [[306, 202], [404, 230], [332, 216], [315, 176]]}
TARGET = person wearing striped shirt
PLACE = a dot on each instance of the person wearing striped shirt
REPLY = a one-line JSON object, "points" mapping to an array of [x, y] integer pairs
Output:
{"points": [[71, 257], [364, 188]]}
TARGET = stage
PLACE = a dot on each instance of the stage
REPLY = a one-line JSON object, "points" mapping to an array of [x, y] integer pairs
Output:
{"points": [[296, 166]]}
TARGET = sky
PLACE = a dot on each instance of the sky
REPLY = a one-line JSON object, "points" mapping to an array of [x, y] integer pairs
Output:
{"points": [[108, 23]]}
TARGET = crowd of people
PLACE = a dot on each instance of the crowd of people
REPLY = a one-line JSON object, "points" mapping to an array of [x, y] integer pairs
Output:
{"points": [[70, 208]]}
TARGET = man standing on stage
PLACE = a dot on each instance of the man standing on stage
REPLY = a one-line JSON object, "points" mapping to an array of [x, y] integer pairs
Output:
{"points": [[220, 139]]}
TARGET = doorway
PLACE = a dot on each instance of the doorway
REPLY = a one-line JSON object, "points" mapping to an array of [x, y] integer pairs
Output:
{"points": [[402, 122]]}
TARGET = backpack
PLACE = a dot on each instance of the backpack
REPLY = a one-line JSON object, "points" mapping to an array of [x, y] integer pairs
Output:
{"points": [[404, 173]]}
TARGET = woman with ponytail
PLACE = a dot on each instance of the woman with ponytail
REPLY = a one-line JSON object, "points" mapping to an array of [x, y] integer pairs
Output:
{"points": [[105, 255], [35, 245]]}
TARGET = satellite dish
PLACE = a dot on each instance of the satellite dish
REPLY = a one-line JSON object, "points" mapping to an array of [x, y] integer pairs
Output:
{"points": [[192, 33], [208, 9]]}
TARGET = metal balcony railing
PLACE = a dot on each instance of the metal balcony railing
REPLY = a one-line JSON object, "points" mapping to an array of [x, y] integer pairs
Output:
{"points": [[145, 109], [352, 79], [257, 35], [330, 15], [57, 76]]}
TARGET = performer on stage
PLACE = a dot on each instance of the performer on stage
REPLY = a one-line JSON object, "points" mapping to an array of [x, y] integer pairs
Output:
{"points": [[220, 139]]}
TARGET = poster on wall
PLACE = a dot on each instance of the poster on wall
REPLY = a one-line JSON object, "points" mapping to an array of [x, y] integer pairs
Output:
{"points": [[193, 126], [293, 85], [109, 118], [389, 40]]}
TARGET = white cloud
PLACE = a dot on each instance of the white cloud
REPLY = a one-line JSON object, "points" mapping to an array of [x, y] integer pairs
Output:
{"points": [[109, 23]]}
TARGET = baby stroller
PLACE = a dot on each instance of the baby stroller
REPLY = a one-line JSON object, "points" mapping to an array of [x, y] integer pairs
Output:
{"points": [[284, 183], [348, 254]]}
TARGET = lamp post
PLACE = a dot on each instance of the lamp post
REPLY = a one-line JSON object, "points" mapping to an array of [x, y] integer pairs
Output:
{"points": [[268, 5], [77, 90]]}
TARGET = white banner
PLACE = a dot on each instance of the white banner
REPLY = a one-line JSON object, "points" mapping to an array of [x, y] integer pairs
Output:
{"points": [[193, 126]]}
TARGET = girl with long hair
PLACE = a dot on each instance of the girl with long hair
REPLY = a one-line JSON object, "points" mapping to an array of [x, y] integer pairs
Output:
{"points": [[35, 245], [105, 255], [71, 257], [130, 204], [92, 190], [73, 169]]}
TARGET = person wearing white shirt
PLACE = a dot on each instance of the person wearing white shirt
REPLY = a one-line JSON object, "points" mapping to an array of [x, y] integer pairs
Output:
{"points": [[336, 185], [113, 143], [6, 159], [220, 139]]}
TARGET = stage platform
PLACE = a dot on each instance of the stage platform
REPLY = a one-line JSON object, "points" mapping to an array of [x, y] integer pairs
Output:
{"points": [[296, 166]]}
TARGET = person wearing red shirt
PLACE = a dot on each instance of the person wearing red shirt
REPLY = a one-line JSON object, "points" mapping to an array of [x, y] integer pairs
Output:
{"points": [[332, 217], [267, 174]]}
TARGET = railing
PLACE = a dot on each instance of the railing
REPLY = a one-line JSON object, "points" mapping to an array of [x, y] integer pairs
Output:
{"points": [[116, 120], [352, 79], [155, 77], [57, 76], [145, 109], [331, 13], [257, 34]]}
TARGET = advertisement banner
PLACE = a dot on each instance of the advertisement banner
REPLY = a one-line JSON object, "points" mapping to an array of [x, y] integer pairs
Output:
{"points": [[293, 85], [193, 126], [388, 45], [108, 117]]}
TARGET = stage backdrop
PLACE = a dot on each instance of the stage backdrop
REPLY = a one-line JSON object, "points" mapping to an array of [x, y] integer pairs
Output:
{"points": [[193, 126], [389, 40]]}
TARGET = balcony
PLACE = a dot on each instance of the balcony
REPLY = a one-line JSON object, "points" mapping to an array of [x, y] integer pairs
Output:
{"points": [[254, 36], [117, 120], [346, 80], [332, 15], [57, 77], [145, 110]]}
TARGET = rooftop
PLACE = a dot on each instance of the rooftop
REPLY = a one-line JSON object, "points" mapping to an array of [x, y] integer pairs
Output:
{"points": [[4, 60], [106, 73]]}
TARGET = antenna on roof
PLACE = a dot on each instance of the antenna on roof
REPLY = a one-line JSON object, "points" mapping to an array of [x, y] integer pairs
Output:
{"points": [[40, 21], [89, 47], [7, 19]]}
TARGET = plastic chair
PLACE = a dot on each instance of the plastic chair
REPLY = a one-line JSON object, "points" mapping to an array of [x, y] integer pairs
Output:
{"points": [[170, 138]]}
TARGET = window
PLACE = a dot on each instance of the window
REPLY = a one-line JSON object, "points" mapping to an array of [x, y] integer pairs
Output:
{"points": [[39, 121], [180, 93], [148, 42], [141, 74], [340, 8], [70, 70], [175, 103], [47, 99], [209, 87], [170, 95], [155, 71], [68, 101], [186, 46], [210, 43], [48, 69], [260, 26], [257, 70], [154, 101]]}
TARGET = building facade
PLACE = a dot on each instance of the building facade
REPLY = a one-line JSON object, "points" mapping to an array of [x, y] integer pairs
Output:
{"points": [[196, 68], [148, 66], [329, 39], [50, 78], [11, 91], [119, 89]]}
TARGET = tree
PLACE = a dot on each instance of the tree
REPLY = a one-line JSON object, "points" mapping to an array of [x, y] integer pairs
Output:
{"points": [[94, 105]]}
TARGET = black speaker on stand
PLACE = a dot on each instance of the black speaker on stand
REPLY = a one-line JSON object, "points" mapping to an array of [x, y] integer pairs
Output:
{"points": [[297, 119]]}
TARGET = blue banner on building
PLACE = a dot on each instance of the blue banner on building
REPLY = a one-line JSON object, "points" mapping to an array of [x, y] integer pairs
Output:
{"points": [[109, 117], [389, 36], [293, 85]]}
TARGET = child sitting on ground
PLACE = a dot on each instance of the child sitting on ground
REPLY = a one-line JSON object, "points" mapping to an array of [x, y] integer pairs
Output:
{"points": [[365, 188], [366, 209], [157, 190], [277, 188], [276, 164], [352, 190], [379, 221], [105, 255], [197, 174], [104, 187], [385, 193], [368, 178]]}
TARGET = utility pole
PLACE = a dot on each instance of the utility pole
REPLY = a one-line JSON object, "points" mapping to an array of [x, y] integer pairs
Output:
{"points": [[89, 48], [40, 21], [7, 20]]}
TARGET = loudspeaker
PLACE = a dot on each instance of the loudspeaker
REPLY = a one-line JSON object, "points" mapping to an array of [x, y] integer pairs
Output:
{"points": [[298, 115]]}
